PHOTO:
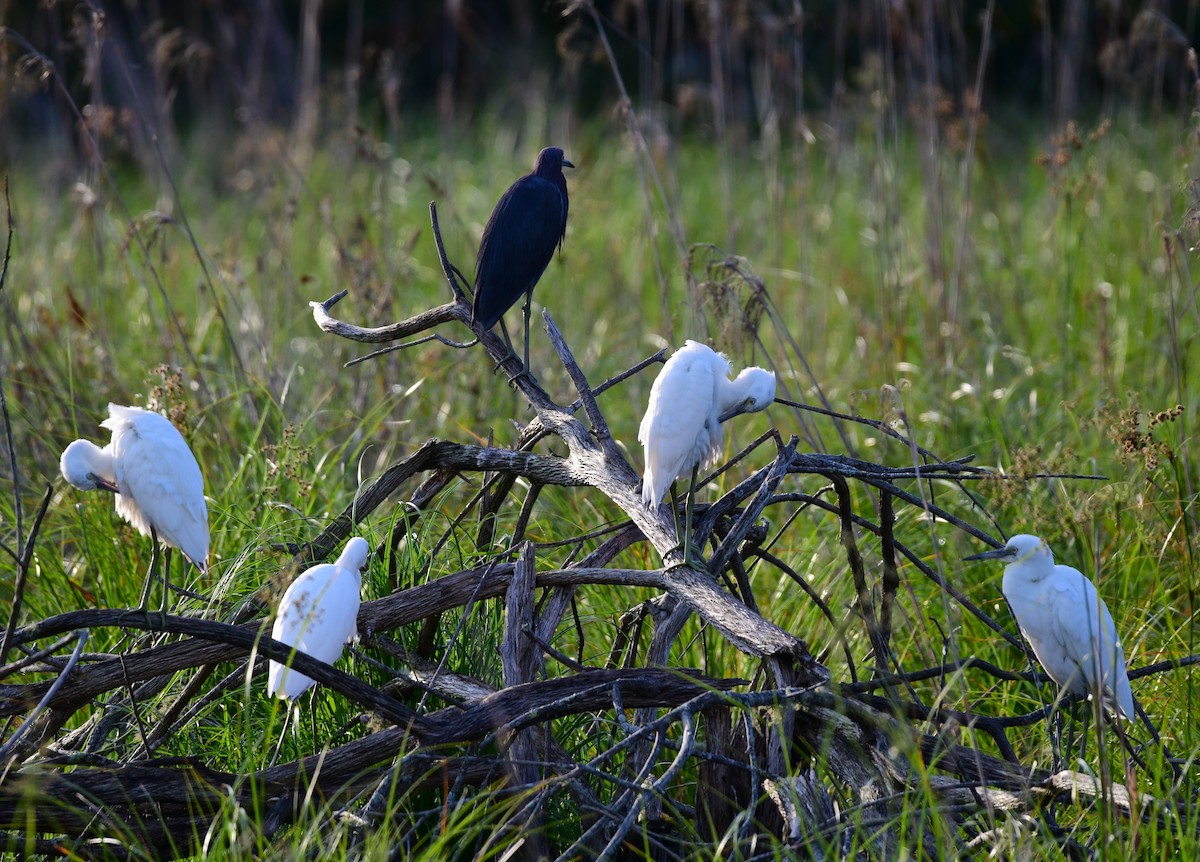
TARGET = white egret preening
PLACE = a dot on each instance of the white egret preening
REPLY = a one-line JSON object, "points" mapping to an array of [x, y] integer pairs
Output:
{"points": [[318, 616], [689, 400], [1065, 621], [158, 484]]}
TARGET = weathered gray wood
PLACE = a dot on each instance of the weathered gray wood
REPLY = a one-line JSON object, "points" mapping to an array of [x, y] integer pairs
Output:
{"points": [[422, 322], [724, 788], [520, 662]]}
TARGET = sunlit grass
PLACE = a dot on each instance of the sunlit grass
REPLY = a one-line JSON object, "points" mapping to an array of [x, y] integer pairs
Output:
{"points": [[1066, 317]]}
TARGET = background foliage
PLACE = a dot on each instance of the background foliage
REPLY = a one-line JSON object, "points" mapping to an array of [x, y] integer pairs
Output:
{"points": [[972, 222]]}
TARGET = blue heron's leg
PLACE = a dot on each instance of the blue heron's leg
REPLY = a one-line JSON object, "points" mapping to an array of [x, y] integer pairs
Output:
{"points": [[507, 342], [524, 372], [527, 310]]}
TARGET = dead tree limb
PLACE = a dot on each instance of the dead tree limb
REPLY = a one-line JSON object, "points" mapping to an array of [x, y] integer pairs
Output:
{"points": [[520, 660], [213, 642], [597, 460]]}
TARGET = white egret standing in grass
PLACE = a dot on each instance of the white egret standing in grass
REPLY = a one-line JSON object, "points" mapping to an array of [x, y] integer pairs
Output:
{"points": [[681, 430], [158, 484], [318, 616], [1065, 621]]}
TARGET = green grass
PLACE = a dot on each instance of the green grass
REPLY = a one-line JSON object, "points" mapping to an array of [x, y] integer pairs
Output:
{"points": [[1067, 317]]}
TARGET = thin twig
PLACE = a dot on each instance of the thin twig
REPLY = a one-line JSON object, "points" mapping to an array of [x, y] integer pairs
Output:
{"points": [[10, 745], [660, 356], [34, 657], [855, 561], [23, 565], [750, 514], [890, 581], [590, 407], [441, 339]]}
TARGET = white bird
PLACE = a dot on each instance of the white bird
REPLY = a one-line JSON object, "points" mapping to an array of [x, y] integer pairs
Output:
{"points": [[1065, 621], [154, 474], [318, 616], [689, 400]]}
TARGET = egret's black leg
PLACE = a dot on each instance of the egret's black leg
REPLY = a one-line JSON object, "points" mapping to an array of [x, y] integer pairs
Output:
{"points": [[689, 504], [145, 601], [312, 713], [144, 605], [1067, 737], [675, 516], [1055, 727], [287, 720], [693, 555], [1087, 720], [166, 573]]}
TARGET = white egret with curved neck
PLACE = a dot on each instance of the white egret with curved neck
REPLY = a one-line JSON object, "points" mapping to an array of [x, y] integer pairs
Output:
{"points": [[689, 400], [158, 485], [318, 616], [1065, 621]]}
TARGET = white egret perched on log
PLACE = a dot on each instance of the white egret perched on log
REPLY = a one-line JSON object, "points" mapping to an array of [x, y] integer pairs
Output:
{"points": [[1065, 621], [681, 430], [158, 484], [318, 616]]}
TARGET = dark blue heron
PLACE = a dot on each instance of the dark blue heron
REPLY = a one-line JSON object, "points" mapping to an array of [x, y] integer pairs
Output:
{"points": [[528, 223]]}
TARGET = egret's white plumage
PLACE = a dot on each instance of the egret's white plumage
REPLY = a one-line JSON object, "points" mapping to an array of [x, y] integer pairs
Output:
{"points": [[689, 400], [154, 474], [1065, 621], [318, 615]]}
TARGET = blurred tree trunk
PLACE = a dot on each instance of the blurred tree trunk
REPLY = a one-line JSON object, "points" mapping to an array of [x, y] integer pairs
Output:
{"points": [[308, 86], [1068, 61]]}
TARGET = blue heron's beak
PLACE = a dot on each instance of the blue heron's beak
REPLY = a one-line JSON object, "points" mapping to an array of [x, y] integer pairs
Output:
{"points": [[998, 554]]}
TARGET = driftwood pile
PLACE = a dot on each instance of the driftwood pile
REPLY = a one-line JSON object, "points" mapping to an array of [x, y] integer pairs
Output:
{"points": [[690, 758]]}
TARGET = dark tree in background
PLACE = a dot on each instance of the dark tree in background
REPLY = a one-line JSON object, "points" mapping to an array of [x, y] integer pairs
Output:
{"points": [[706, 65]]}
